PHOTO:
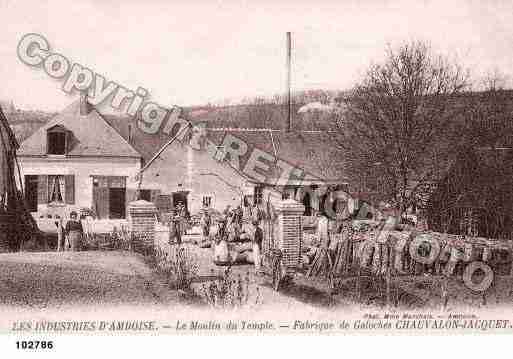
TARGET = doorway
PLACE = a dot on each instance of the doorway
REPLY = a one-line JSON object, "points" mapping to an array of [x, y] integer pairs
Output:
{"points": [[308, 204], [109, 197], [116, 203]]}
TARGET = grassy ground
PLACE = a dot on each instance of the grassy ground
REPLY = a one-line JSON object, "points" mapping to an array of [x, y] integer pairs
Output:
{"points": [[51, 279], [406, 293], [82, 278]]}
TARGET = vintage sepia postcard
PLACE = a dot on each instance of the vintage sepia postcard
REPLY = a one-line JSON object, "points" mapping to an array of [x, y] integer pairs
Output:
{"points": [[271, 167]]}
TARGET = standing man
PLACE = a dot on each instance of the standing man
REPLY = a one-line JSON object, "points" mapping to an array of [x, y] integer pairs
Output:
{"points": [[258, 237], [73, 233], [255, 213], [177, 221], [171, 223], [227, 211], [322, 230], [239, 213], [178, 229]]}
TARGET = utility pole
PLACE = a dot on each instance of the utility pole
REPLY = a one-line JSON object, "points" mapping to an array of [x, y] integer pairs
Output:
{"points": [[289, 106]]}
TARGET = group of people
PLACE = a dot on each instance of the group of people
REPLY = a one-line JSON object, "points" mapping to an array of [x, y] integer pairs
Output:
{"points": [[234, 223], [231, 227]]}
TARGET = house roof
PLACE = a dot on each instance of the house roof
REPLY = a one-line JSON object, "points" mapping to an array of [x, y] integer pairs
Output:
{"points": [[311, 151], [91, 136]]}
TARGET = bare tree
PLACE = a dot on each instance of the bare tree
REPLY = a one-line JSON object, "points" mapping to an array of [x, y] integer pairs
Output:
{"points": [[474, 197], [397, 120], [489, 113]]}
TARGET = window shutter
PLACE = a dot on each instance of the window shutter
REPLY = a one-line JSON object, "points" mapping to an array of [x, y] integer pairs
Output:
{"points": [[68, 142], [101, 202], [69, 181], [42, 189]]}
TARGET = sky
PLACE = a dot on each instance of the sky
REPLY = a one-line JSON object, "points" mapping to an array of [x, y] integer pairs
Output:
{"points": [[194, 52]]}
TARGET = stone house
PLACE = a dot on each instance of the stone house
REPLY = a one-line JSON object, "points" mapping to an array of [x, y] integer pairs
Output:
{"points": [[78, 160], [219, 167]]}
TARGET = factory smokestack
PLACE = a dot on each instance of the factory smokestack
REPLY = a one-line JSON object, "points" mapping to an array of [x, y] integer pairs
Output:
{"points": [[85, 107], [289, 106]]}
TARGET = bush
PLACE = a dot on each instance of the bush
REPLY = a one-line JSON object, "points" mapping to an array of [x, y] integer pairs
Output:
{"points": [[227, 290], [179, 267], [115, 240]]}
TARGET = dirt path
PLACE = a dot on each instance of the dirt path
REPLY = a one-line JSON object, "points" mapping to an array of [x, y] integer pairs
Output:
{"points": [[300, 294]]}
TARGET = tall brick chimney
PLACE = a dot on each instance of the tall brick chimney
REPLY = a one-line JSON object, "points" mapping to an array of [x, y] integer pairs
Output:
{"points": [[85, 107], [288, 126]]}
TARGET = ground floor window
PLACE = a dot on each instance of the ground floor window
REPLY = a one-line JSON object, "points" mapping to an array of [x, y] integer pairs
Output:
{"points": [[207, 201], [56, 189], [258, 195], [49, 190], [289, 192], [307, 202]]}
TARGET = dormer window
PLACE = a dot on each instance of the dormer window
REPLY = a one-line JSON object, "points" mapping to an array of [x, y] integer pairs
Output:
{"points": [[56, 141]]}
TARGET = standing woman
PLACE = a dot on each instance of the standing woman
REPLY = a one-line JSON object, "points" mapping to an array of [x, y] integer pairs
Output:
{"points": [[258, 236], [221, 251], [205, 224], [74, 232]]}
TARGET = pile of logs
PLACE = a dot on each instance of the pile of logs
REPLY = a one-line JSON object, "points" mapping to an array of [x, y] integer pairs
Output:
{"points": [[322, 263], [344, 258], [337, 260], [352, 251], [448, 250]]}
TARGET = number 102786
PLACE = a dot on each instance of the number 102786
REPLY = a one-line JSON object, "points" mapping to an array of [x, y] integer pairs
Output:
{"points": [[34, 344]]}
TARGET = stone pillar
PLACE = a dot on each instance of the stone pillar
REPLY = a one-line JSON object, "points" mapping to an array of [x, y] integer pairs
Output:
{"points": [[290, 231], [141, 221]]}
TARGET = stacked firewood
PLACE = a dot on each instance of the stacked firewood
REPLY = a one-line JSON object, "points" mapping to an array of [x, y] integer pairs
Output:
{"points": [[347, 251], [339, 258], [343, 255], [322, 263]]}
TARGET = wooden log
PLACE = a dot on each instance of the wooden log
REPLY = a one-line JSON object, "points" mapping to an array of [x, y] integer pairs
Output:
{"points": [[349, 256], [511, 256], [314, 263], [388, 276], [336, 262], [329, 268], [60, 245], [339, 259]]}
